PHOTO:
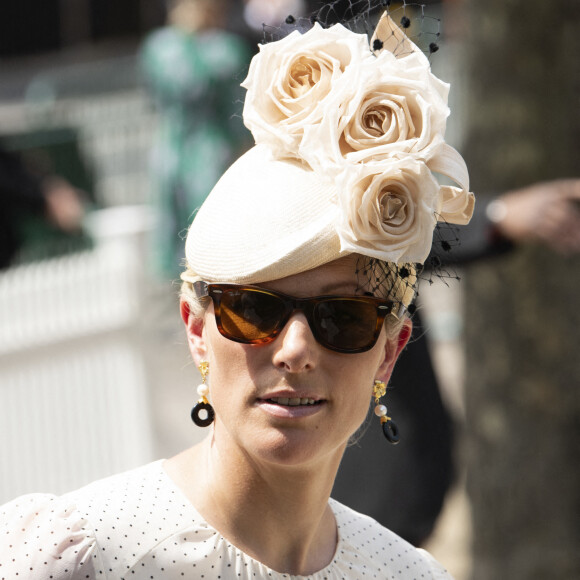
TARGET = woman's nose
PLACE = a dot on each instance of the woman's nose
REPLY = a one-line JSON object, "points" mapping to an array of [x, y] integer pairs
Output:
{"points": [[296, 347]]}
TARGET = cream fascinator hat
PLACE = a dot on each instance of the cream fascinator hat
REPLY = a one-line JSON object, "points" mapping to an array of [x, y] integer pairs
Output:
{"points": [[348, 138]]}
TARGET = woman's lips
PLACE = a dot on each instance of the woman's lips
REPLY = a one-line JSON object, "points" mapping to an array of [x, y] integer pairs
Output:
{"points": [[291, 407]]}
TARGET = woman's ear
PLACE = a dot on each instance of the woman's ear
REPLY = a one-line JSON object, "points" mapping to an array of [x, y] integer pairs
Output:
{"points": [[393, 348], [194, 326]]}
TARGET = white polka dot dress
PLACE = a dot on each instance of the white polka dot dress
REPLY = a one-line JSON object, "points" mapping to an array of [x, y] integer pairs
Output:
{"points": [[138, 525]]}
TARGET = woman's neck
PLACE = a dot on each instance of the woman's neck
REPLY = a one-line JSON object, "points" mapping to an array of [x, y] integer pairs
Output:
{"points": [[278, 515]]}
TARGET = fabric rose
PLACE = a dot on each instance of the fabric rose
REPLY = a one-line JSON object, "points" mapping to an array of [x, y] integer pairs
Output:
{"points": [[401, 108], [294, 82], [388, 215]]}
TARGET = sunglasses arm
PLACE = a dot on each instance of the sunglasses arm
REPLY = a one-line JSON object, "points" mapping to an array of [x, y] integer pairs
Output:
{"points": [[201, 289], [398, 310]]}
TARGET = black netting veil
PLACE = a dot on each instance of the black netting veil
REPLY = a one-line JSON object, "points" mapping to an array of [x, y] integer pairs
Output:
{"points": [[362, 16]]}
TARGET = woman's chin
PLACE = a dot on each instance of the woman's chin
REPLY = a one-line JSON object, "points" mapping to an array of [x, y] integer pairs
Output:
{"points": [[293, 447]]}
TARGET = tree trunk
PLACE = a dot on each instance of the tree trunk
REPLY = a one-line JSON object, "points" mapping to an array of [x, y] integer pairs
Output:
{"points": [[523, 310]]}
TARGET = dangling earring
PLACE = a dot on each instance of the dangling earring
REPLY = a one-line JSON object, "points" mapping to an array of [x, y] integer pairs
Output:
{"points": [[390, 429], [203, 404]]}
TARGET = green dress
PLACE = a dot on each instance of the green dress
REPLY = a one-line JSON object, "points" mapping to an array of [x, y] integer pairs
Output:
{"points": [[195, 82]]}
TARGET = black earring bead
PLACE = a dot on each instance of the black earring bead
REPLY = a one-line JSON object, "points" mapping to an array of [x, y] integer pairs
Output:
{"points": [[195, 414], [391, 431]]}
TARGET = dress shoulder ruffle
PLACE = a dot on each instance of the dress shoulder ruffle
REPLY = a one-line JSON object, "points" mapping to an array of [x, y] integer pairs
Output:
{"points": [[44, 536]]}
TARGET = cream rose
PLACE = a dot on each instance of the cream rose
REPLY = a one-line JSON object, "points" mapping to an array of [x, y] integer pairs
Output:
{"points": [[291, 82], [388, 215], [401, 109]]}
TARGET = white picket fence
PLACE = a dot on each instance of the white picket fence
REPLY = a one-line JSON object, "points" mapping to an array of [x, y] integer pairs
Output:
{"points": [[64, 298], [71, 414], [73, 386]]}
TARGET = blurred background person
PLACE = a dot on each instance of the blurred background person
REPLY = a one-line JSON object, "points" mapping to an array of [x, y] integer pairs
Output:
{"points": [[33, 198], [193, 69]]}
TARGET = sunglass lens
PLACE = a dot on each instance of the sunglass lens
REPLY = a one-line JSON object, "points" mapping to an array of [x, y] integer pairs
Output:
{"points": [[347, 325], [249, 315]]}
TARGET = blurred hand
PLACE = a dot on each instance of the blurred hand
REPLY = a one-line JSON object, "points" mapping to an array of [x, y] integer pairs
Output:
{"points": [[64, 205], [546, 212]]}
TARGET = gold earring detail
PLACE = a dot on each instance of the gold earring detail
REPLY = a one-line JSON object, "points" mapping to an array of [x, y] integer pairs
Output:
{"points": [[390, 429], [203, 414]]}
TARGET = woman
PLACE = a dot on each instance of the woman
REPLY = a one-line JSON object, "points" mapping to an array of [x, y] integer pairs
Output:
{"points": [[300, 271], [192, 69]]}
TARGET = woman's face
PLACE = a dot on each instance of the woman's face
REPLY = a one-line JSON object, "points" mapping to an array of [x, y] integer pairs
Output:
{"points": [[248, 381]]}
